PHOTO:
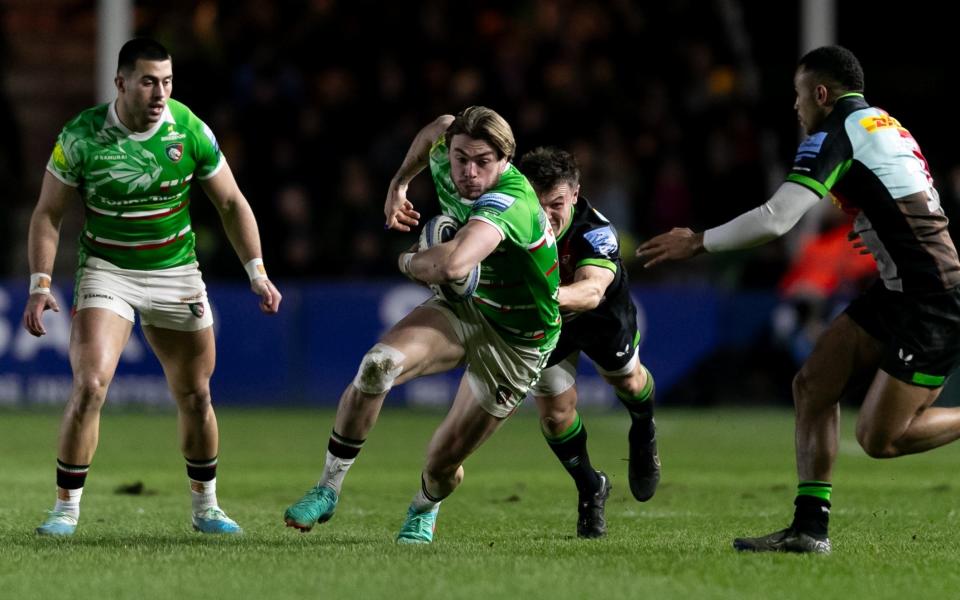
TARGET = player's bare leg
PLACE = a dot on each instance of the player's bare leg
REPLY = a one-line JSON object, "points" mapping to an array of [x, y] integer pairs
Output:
{"points": [[422, 343], [897, 418], [636, 391], [97, 338], [188, 359], [464, 429], [567, 437], [844, 353]]}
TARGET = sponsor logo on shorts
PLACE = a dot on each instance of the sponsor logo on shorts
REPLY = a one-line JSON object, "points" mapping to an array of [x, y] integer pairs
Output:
{"points": [[175, 152], [503, 395], [906, 358], [197, 309], [91, 296]]}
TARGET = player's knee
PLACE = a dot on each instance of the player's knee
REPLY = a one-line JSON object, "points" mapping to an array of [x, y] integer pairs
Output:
{"points": [[554, 420], [875, 444], [195, 399], [90, 391], [632, 385], [380, 367]]}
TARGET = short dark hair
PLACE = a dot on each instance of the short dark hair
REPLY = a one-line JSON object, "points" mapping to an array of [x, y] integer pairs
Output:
{"points": [[140, 49], [836, 66], [482, 123], [548, 167]]}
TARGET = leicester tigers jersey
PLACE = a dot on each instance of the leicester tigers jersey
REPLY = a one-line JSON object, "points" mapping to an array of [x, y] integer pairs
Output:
{"points": [[875, 170], [519, 280], [135, 186]]}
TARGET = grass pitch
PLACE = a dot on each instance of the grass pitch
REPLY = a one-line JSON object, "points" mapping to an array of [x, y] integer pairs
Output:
{"points": [[508, 532]]}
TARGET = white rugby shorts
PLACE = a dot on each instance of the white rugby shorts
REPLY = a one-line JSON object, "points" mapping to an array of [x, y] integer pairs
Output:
{"points": [[174, 298], [499, 373]]}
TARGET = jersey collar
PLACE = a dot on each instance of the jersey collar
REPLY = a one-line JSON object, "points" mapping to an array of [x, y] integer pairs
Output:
{"points": [[573, 210], [113, 120]]}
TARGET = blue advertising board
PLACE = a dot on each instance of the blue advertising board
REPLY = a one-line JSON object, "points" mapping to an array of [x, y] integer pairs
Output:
{"points": [[309, 352]]}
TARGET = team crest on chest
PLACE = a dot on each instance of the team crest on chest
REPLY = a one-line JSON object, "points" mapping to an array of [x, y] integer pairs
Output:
{"points": [[175, 152]]}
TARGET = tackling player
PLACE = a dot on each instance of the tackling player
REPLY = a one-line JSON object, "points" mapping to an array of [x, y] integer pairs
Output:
{"points": [[503, 333], [600, 319], [132, 161], [903, 334]]}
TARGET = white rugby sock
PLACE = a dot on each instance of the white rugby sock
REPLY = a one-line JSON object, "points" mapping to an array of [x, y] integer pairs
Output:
{"points": [[422, 501], [334, 470], [203, 494], [70, 506]]}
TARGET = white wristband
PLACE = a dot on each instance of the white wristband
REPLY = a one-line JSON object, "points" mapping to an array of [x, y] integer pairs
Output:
{"points": [[255, 269], [39, 283], [405, 260]]}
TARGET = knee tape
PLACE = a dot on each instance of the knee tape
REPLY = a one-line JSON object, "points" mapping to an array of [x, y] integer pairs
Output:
{"points": [[380, 366]]}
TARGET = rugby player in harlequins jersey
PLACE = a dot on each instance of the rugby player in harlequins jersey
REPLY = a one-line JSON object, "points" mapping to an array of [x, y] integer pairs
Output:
{"points": [[599, 319], [903, 334]]}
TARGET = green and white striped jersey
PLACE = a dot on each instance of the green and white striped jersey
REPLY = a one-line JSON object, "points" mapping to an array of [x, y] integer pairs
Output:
{"points": [[135, 186], [519, 280]]}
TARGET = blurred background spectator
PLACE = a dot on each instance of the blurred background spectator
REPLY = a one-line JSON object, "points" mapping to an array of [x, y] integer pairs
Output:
{"points": [[680, 113]]}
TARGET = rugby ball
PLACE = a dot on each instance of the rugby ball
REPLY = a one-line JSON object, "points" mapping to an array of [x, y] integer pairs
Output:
{"points": [[438, 230]]}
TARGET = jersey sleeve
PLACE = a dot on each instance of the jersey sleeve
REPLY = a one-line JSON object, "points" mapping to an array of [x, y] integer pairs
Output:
{"points": [[492, 208], [66, 162], [598, 247], [822, 159], [209, 157]]}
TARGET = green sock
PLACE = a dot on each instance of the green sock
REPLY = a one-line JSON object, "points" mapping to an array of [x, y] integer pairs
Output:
{"points": [[812, 513], [640, 405], [571, 448]]}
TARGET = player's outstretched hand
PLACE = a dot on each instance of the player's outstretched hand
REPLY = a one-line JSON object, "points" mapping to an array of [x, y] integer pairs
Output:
{"points": [[33, 313], [858, 242], [269, 295], [677, 244], [399, 211]]}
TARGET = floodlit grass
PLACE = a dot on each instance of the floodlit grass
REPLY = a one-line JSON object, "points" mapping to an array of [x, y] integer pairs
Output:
{"points": [[507, 532]]}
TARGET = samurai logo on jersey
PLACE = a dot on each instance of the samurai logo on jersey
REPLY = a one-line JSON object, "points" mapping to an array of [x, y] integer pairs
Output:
{"points": [[811, 146], [603, 240], [138, 168]]}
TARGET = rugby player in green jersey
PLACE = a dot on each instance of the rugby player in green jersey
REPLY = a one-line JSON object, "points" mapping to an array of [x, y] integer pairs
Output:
{"points": [[903, 334], [132, 161], [503, 333]]}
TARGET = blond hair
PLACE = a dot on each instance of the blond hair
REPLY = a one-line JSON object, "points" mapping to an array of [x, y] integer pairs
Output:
{"points": [[482, 123]]}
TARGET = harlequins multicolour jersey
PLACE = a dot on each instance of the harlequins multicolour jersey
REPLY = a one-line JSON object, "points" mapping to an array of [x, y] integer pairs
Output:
{"points": [[135, 186], [874, 169], [591, 240], [519, 280]]}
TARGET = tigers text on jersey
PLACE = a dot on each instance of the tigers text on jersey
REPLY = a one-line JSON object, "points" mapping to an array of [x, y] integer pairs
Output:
{"points": [[519, 280], [135, 186], [874, 169]]}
